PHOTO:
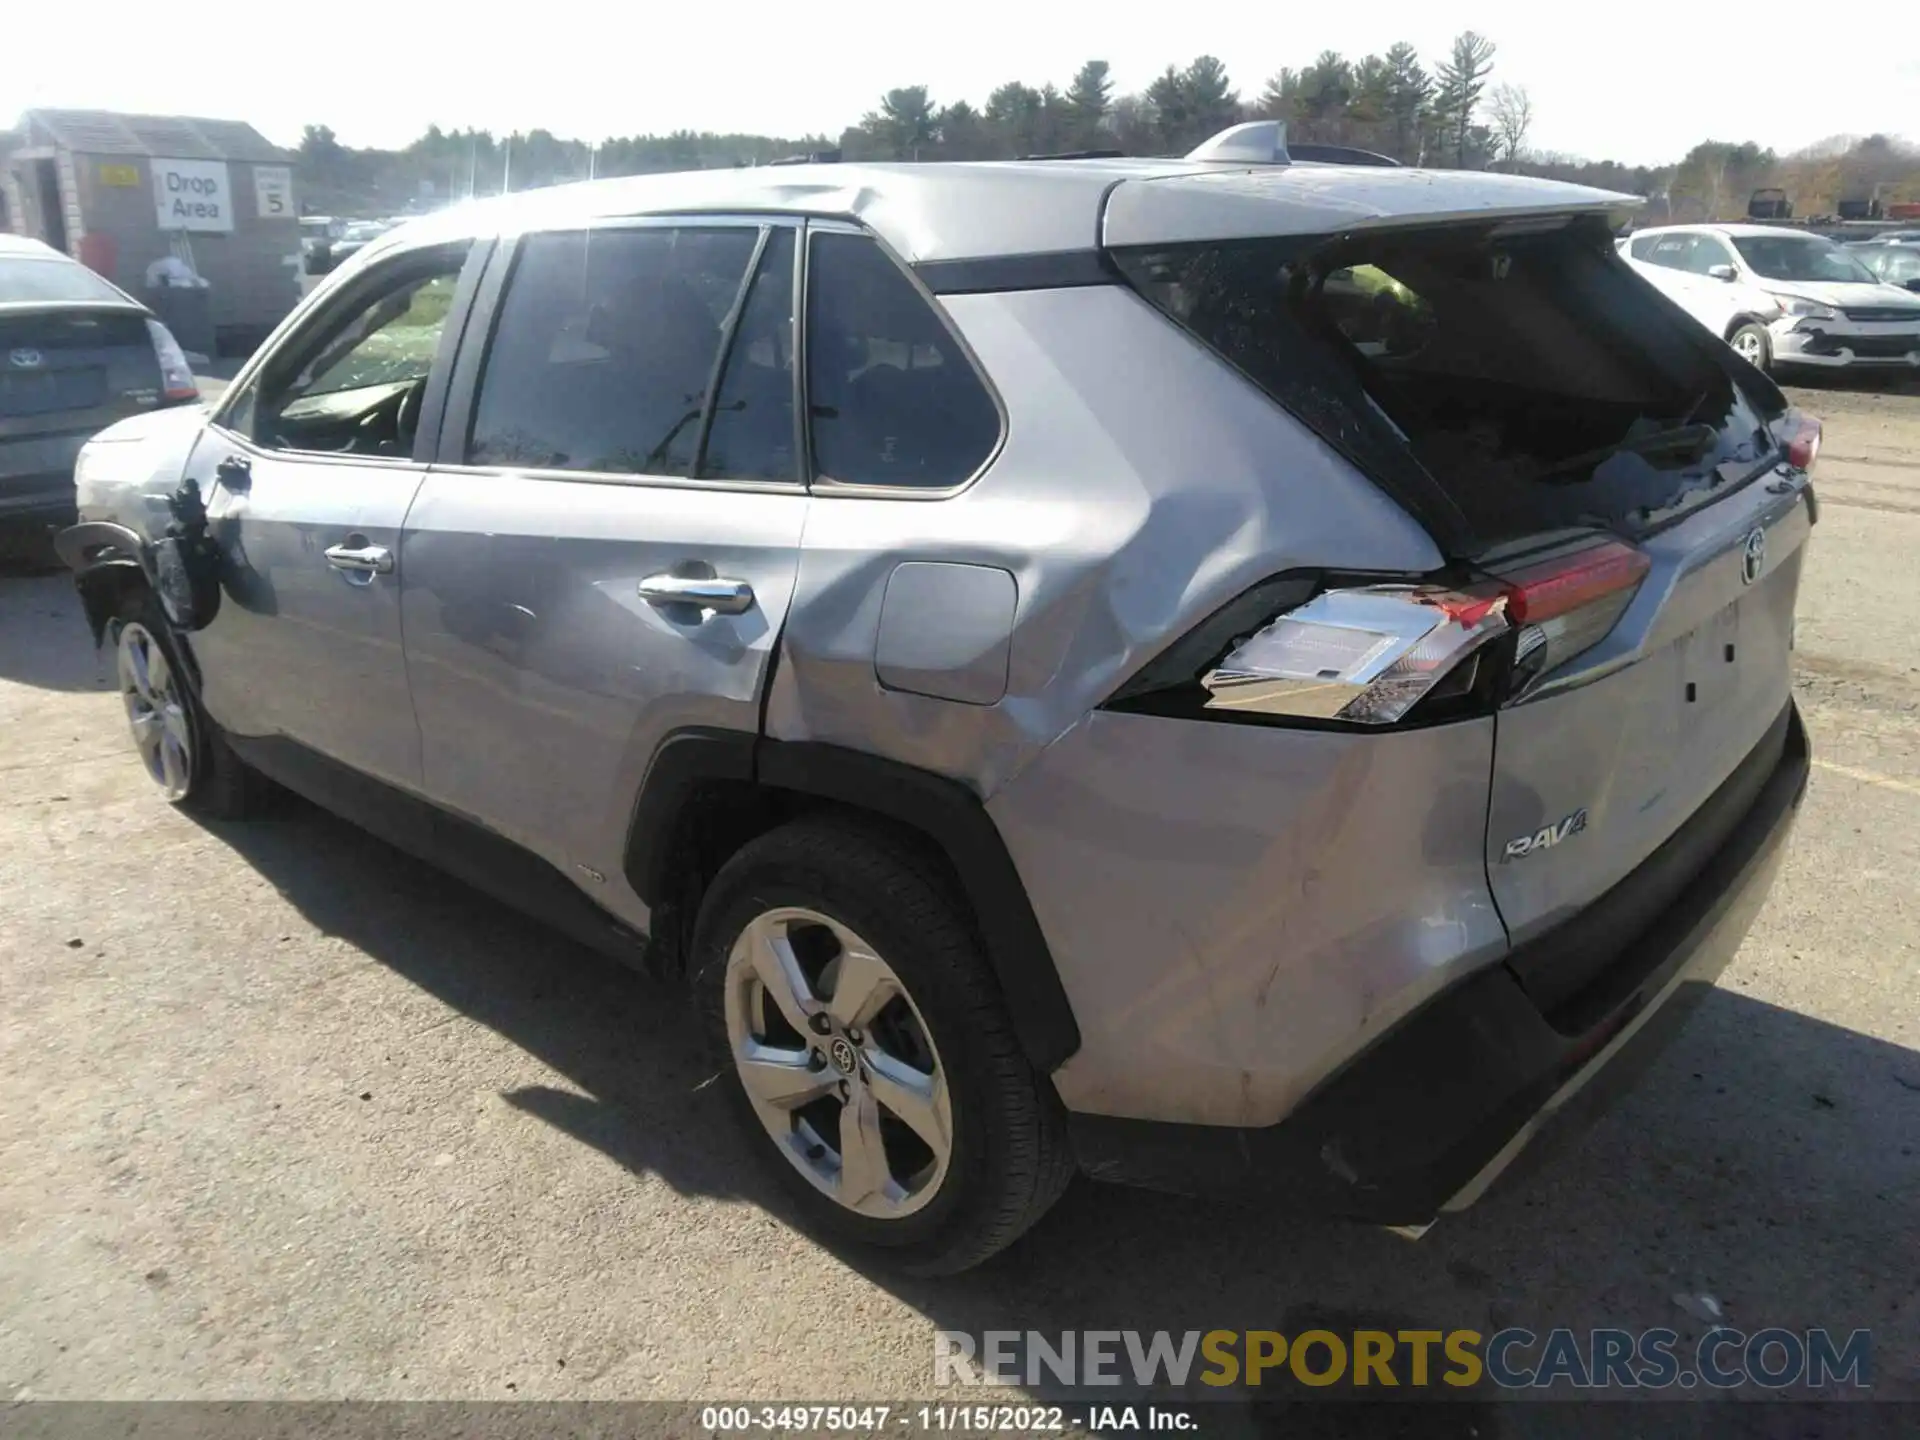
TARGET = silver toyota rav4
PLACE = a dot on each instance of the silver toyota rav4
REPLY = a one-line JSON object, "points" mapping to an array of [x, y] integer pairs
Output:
{"points": [[1234, 675]]}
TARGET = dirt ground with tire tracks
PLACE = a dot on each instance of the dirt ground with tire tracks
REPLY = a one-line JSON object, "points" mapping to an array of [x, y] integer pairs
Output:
{"points": [[284, 1114]]}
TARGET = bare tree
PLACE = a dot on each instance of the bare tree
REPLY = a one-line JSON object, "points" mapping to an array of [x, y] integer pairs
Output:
{"points": [[1512, 119]]}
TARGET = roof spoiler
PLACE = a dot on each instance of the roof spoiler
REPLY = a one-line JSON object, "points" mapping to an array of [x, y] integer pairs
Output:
{"points": [[1257, 142]]}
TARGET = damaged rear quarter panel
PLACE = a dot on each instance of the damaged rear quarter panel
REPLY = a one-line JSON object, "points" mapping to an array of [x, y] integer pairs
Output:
{"points": [[1141, 485], [1237, 909]]}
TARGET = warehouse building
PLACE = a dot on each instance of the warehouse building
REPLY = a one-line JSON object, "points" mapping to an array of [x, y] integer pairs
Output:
{"points": [[122, 192]]}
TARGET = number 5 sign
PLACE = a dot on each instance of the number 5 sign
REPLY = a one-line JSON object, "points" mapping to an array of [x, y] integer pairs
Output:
{"points": [[273, 189]]}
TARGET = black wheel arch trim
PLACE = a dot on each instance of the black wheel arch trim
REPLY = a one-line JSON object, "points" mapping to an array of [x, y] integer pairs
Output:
{"points": [[95, 543], [946, 812], [103, 556]]}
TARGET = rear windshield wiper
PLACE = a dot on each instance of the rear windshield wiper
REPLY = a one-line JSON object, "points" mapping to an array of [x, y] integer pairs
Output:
{"points": [[1687, 440]]}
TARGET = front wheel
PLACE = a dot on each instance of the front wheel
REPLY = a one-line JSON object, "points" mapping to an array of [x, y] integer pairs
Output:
{"points": [[181, 749], [867, 1051], [1753, 345]]}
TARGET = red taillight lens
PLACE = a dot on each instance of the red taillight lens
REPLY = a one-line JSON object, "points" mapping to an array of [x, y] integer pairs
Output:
{"points": [[176, 375], [1567, 605], [1559, 587], [1803, 440]]}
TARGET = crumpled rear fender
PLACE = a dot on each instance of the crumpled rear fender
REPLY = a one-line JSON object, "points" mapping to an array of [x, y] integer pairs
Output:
{"points": [[110, 564]]}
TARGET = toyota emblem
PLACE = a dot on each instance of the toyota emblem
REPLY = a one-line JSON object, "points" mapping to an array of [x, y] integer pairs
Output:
{"points": [[25, 359], [1753, 557]]}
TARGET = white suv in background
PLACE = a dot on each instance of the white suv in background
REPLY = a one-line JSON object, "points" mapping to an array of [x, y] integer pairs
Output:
{"points": [[1781, 297]]}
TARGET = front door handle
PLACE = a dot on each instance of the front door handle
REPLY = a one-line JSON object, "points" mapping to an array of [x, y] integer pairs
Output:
{"points": [[724, 597], [361, 559]]}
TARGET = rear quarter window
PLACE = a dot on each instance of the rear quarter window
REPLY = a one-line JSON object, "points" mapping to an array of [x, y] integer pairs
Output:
{"points": [[893, 397]]}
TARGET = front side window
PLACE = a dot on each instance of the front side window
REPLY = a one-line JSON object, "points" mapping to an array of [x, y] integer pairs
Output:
{"points": [[1707, 252], [894, 399], [1800, 257], [605, 346], [751, 436], [352, 383]]}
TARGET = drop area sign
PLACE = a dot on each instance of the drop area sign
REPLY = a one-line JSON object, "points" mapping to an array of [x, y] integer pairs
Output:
{"points": [[192, 194]]}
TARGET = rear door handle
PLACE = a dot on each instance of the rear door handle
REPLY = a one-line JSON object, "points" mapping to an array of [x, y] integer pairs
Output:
{"points": [[724, 597], [361, 559]]}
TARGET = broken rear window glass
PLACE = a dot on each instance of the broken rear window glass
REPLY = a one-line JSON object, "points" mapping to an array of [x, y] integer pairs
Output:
{"points": [[1530, 379]]}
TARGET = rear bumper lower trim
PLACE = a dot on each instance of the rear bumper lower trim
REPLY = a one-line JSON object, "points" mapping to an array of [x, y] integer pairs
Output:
{"points": [[1427, 1117]]}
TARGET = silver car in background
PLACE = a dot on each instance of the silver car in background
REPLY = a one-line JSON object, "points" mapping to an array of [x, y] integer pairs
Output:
{"points": [[1240, 676]]}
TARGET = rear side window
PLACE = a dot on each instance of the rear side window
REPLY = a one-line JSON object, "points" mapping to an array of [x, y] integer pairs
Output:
{"points": [[1668, 250], [894, 399], [604, 348]]}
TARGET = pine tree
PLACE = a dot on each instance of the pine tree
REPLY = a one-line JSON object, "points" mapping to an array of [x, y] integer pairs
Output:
{"points": [[1463, 77]]}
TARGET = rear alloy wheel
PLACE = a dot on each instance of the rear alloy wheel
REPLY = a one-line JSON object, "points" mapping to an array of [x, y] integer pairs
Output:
{"points": [[157, 713], [837, 1064], [861, 1038], [1753, 345]]}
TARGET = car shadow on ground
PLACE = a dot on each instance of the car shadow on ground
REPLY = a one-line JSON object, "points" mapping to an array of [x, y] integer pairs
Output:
{"points": [[1767, 1161]]}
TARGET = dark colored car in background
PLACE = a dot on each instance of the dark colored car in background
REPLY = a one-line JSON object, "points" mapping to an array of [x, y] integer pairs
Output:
{"points": [[76, 354]]}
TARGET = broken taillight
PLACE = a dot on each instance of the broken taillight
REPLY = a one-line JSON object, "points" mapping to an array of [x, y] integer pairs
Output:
{"points": [[1367, 655], [1801, 434], [176, 375], [1370, 654]]}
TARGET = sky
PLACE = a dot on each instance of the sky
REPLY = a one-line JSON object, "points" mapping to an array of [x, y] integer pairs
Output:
{"points": [[1636, 82]]}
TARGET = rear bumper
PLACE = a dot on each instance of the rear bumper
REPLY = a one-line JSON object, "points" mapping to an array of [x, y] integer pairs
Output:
{"points": [[1429, 1115], [36, 476]]}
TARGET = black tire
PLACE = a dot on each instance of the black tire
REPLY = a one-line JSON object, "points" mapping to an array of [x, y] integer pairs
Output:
{"points": [[1754, 335], [223, 786], [1010, 1159]]}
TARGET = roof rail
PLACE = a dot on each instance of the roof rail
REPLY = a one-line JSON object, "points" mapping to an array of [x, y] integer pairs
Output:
{"points": [[1340, 155], [1257, 142], [812, 157], [1078, 155]]}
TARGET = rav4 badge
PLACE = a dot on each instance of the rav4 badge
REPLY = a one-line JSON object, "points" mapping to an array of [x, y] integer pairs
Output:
{"points": [[1547, 836]]}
